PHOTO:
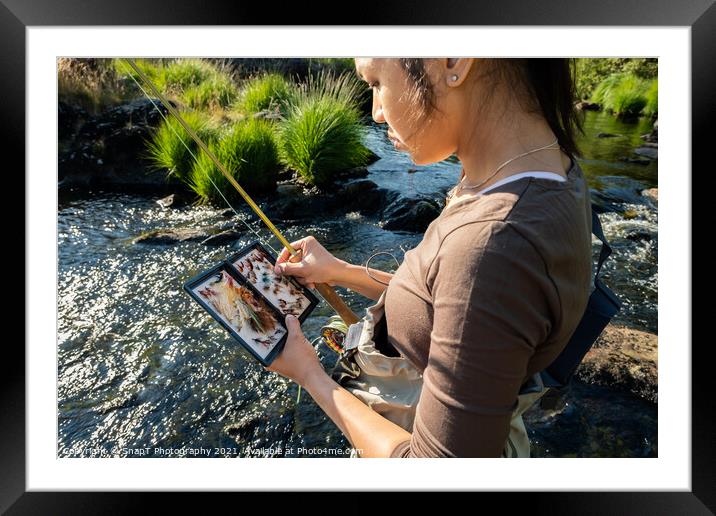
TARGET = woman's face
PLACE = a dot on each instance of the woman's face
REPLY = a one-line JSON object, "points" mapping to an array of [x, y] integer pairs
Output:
{"points": [[428, 140]]}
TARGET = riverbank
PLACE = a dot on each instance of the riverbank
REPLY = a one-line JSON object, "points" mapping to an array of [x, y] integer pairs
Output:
{"points": [[259, 126]]}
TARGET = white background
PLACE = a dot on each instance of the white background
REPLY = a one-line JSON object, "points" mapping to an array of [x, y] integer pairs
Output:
{"points": [[671, 470]]}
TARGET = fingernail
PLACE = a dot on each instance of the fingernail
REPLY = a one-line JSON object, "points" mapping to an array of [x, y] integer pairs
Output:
{"points": [[277, 269]]}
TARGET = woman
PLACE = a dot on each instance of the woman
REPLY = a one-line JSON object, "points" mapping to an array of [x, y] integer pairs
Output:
{"points": [[495, 289]]}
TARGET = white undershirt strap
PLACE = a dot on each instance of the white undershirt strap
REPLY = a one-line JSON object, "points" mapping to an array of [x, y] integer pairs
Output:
{"points": [[531, 173]]}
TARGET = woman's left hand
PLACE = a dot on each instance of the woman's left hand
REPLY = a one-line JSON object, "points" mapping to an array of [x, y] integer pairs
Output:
{"points": [[297, 360]]}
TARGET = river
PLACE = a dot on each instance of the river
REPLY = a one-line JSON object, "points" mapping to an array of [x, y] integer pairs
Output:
{"points": [[142, 367]]}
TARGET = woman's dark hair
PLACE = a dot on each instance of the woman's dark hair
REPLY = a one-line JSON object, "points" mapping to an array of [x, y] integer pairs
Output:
{"points": [[543, 86]]}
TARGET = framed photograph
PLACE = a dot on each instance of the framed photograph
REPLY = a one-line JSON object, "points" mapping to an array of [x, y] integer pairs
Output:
{"points": [[241, 310], [255, 264], [73, 337]]}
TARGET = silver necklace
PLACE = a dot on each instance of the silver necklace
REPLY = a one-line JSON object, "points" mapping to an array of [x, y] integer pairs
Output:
{"points": [[461, 186]]}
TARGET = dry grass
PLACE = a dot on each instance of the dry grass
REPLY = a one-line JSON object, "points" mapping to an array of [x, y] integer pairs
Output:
{"points": [[91, 84]]}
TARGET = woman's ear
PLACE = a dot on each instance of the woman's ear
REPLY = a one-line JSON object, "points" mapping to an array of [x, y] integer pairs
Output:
{"points": [[457, 69]]}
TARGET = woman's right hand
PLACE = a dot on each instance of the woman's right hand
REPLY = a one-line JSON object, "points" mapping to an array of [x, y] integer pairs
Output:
{"points": [[317, 265]]}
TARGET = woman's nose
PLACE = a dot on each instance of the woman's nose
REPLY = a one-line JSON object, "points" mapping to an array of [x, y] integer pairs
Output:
{"points": [[377, 110]]}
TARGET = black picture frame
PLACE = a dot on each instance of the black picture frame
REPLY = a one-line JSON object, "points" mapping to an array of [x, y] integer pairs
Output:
{"points": [[700, 16], [190, 286], [313, 300]]}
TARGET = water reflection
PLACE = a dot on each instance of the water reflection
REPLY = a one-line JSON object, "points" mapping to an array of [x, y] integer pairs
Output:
{"points": [[140, 365]]}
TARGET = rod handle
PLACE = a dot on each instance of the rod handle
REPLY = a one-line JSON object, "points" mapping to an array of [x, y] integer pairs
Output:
{"points": [[332, 298], [330, 295]]}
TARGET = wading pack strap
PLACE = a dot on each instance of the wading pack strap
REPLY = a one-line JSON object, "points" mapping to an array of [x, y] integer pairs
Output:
{"points": [[602, 306]]}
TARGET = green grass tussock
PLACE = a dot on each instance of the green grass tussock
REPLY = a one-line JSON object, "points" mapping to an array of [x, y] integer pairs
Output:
{"points": [[323, 133], [248, 151], [652, 99], [267, 92], [319, 132], [217, 92], [626, 94], [166, 151], [196, 83]]}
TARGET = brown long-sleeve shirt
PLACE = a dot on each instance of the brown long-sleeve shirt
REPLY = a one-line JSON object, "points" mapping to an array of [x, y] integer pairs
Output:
{"points": [[490, 296]]}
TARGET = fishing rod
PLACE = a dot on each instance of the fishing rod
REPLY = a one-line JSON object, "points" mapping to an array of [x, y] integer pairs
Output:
{"points": [[326, 291]]}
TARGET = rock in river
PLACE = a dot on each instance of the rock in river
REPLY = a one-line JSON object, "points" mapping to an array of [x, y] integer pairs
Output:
{"points": [[648, 151], [652, 194], [410, 214], [625, 359], [170, 236]]}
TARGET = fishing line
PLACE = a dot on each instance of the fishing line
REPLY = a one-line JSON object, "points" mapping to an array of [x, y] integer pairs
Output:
{"points": [[367, 271], [327, 291], [199, 164]]}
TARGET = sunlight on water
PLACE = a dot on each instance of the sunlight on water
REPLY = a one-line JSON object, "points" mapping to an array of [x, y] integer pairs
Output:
{"points": [[141, 365]]}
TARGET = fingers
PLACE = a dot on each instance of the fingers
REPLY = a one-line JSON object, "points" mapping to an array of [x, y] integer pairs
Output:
{"points": [[292, 323], [292, 269], [296, 257], [285, 255], [304, 282]]}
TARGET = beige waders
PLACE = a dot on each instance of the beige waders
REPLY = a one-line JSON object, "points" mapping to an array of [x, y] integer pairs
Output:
{"points": [[391, 385]]}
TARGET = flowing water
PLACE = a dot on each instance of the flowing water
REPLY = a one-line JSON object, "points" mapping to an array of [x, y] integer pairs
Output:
{"points": [[143, 371]]}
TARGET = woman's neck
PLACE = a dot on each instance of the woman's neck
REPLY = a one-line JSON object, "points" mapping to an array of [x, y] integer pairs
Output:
{"points": [[484, 153]]}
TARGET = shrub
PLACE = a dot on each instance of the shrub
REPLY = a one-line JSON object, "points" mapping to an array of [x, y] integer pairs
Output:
{"points": [[591, 71], [623, 94], [182, 74], [152, 68], [248, 151], [652, 99], [628, 97], [603, 92], [199, 83], [218, 91], [344, 88], [323, 133], [165, 149], [266, 92]]}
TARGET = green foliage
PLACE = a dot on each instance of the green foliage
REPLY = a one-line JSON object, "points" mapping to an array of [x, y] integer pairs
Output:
{"points": [[338, 65], [198, 83], [247, 150], [320, 131], [643, 68], [165, 149], [185, 73], [323, 132], [269, 91], [652, 99], [345, 88], [629, 96], [216, 92], [625, 94], [604, 90], [592, 71]]}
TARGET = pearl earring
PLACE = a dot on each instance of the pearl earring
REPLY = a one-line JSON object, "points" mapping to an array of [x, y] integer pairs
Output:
{"points": [[454, 77]]}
